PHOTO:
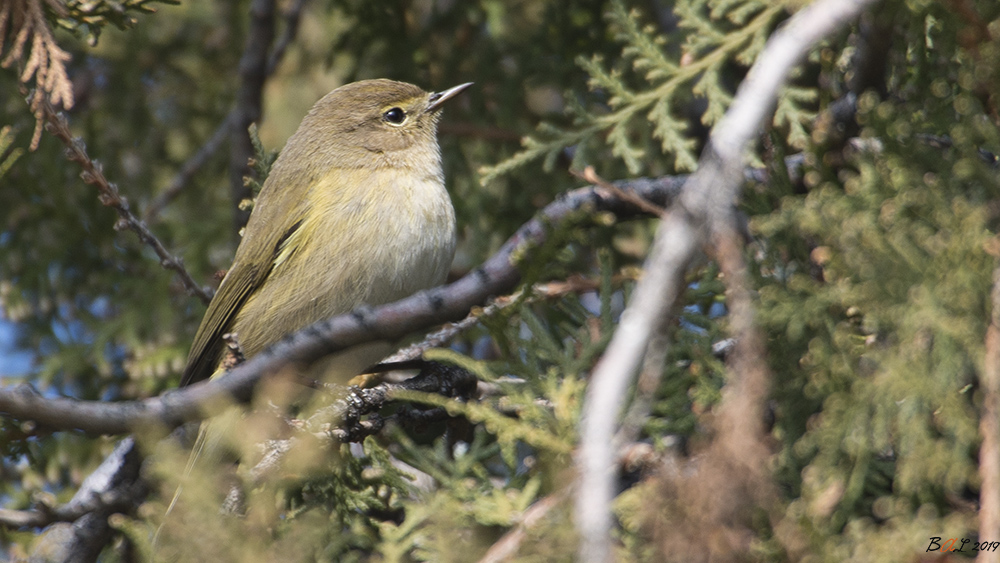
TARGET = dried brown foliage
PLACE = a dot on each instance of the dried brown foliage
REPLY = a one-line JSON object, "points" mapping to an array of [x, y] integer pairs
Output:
{"points": [[35, 51]]}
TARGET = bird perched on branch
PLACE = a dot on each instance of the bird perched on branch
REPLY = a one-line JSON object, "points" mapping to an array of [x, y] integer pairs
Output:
{"points": [[354, 212]]}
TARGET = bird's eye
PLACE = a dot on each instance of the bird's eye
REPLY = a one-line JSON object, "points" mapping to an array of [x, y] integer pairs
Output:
{"points": [[395, 116]]}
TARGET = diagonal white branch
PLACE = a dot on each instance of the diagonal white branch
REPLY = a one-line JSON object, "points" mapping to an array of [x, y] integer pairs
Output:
{"points": [[708, 196]]}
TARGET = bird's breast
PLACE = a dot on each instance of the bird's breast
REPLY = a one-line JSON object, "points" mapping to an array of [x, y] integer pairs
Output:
{"points": [[366, 239], [371, 238]]}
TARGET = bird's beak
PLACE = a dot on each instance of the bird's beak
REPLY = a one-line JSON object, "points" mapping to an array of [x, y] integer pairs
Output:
{"points": [[439, 98]]}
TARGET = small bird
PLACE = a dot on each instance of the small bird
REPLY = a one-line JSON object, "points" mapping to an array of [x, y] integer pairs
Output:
{"points": [[354, 212]]}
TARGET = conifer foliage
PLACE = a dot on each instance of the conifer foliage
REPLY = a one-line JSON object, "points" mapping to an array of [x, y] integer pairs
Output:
{"points": [[869, 222]]}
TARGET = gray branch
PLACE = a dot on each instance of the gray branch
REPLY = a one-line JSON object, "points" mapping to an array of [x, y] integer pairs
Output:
{"points": [[452, 302], [711, 193]]}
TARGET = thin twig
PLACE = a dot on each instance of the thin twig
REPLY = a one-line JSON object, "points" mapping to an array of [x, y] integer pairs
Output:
{"points": [[108, 195], [23, 518], [449, 331], [292, 17], [712, 188], [590, 175], [549, 290], [182, 179], [633, 457], [507, 546]]}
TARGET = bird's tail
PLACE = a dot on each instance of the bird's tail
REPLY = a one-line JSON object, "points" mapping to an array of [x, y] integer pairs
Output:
{"points": [[207, 449]]}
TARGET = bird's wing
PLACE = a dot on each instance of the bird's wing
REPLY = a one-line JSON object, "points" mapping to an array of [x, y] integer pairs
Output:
{"points": [[240, 282], [263, 240]]}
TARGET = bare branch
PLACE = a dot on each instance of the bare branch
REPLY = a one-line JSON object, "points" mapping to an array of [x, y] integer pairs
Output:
{"points": [[734, 480], [108, 194], [741, 415], [115, 486], [711, 193], [989, 431], [678, 239], [249, 101], [496, 276], [190, 167], [98, 492]]}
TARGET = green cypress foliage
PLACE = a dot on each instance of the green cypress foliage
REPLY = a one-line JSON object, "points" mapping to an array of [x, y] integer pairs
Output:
{"points": [[872, 248]]}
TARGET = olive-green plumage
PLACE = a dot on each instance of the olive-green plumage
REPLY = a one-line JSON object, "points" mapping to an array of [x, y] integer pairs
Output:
{"points": [[353, 212]]}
